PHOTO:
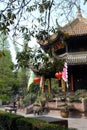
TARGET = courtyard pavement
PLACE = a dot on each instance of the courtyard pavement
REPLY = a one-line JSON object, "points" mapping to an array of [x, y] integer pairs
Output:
{"points": [[74, 120]]}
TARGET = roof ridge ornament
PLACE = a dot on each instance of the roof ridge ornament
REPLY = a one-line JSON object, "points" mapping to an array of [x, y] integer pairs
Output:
{"points": [[79, 15]]}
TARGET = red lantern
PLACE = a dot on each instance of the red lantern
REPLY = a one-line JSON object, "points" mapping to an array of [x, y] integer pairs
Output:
{"points": [[58, 75], [37, 79]]}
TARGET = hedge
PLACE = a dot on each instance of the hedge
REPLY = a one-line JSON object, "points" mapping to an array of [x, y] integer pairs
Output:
{"points": [[11, 121]]}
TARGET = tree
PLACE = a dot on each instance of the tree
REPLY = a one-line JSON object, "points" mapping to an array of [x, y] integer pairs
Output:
{"points": [[7, 77], [23, 19], [3, 44], [23, 76], [39, 61], [28, 18], [85, 1]]}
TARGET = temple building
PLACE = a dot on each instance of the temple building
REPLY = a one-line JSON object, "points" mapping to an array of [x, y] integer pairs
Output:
{"points": [[76, 52], [73, 48]]}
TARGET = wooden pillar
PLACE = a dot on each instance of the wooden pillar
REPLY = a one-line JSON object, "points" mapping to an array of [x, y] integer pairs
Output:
{"points": [[63, 85], [43, 83], [72, 84], [49, 85], [59, 82]]}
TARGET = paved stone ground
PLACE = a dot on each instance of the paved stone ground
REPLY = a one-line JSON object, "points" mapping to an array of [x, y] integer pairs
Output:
{"points": [[75, 120]]}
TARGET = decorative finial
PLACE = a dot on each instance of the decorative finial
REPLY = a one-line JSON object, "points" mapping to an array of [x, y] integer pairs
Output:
{"points": [[79, 12]]}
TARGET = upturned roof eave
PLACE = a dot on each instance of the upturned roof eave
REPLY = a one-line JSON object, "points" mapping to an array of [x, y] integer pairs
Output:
{"points": [[72, 29]]}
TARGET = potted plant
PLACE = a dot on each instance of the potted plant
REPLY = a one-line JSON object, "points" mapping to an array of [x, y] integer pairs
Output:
{"points": [[64, 111], [41, 99], [70, 97], [64, 106]]}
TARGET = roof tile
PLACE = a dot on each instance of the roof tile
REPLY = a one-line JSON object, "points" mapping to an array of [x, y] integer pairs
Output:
{"points": [[76, 27]]}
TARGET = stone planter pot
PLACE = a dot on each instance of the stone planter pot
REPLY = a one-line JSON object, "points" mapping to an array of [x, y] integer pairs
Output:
{"points": [[81, 106], [64, 113], [43, 103]]}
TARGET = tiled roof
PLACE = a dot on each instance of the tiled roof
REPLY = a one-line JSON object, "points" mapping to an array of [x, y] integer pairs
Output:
{"points": [[76, 27], [76, 59]]}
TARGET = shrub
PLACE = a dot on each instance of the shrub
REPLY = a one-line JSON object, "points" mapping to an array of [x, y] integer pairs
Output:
{"points": [[82, 94], [51, 127], [5, 121], [23, 124], [9, 121], [13, 119]]}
